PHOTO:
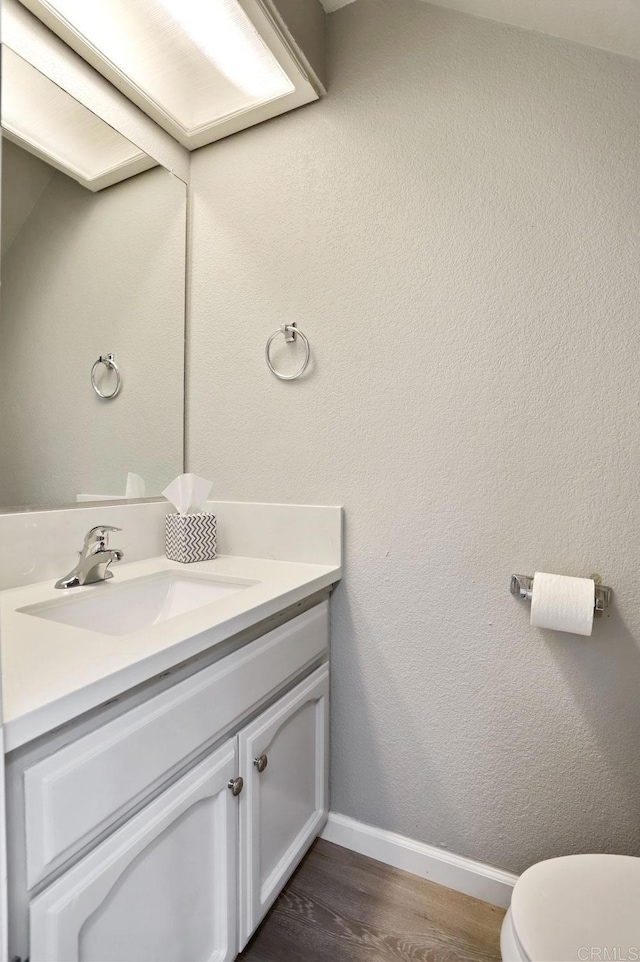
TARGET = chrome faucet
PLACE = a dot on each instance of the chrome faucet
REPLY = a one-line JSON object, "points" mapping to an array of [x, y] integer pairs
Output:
{"points": [[95, 558]]}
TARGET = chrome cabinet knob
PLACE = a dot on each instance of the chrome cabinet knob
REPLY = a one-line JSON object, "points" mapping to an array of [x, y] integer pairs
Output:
{"points": [[235, 785], [261, 763]]}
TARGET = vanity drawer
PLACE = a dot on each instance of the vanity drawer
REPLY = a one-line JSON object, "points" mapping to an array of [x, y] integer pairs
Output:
{"points": [[76, 793]]}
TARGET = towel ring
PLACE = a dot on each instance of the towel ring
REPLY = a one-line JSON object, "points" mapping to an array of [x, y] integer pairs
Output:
{"points": [[290, 332], [109, 362]]}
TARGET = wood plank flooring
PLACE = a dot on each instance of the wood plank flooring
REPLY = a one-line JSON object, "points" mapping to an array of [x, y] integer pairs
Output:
{"points": [[342, 907]]}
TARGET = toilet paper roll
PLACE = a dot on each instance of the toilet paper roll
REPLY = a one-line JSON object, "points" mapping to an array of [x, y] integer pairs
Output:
{"points": [[562, 603]]}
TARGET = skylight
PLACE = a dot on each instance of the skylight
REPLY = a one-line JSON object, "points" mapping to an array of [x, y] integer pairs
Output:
{"points": [[190, 64], [48, 122]]}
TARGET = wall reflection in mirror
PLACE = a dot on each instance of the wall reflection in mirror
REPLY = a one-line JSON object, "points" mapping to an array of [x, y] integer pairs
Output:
{"points": [[93, 264]]}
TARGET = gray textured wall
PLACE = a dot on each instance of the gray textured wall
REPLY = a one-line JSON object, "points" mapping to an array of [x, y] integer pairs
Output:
{"points": [[85, 275], [456, 229], [26, 177]]}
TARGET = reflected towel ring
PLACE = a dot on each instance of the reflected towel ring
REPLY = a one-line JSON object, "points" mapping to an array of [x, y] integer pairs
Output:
{"points": [[290, 332], [109, 362]]}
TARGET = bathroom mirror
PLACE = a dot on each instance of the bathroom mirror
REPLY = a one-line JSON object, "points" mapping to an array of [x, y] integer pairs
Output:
{"points": [[92, 266]]}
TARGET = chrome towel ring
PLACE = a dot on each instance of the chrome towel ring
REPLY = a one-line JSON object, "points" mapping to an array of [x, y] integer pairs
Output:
{"points": [[290, 332], [109, 362]]}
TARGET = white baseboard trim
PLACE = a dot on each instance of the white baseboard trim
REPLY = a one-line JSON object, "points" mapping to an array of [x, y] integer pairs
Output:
{"points": [[435, 864]]}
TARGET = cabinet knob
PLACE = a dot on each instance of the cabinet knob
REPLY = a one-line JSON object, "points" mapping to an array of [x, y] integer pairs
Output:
{"points": [[261, 763], [235, 785]]}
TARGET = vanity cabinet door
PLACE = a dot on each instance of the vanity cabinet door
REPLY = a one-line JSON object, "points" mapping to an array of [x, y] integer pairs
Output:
{"points": [[283, 760], [161, 887]]}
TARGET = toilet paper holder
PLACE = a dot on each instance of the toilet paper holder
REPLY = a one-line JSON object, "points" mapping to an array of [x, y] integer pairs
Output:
{"points": [[522, 587]]}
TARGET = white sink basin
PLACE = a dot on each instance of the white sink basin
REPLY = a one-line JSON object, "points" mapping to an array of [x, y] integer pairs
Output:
{"points": [[119, 609]]}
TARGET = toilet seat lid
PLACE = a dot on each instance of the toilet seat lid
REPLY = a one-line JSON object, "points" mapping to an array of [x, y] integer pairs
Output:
{"points": [[564, 908]]}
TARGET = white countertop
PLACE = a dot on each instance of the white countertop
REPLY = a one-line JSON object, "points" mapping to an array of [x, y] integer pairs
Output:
{"points": [[51, 672]]}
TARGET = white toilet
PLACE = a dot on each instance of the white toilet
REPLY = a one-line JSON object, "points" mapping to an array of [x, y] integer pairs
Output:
{"points": [[580, 908]]}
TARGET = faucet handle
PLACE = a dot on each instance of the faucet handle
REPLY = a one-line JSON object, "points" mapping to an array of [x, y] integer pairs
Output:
{"points": [[99, 535]]}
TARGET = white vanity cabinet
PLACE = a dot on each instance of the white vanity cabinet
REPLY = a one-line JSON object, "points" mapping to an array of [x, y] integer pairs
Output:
{"points": [[234, 762], [163, 887]]}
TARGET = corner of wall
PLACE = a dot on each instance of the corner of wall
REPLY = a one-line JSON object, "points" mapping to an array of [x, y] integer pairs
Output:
{"points": [[303, 24]]}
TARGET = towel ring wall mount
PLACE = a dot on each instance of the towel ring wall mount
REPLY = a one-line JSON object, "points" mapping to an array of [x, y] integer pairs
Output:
{"points": [[109, 362], [290, 332]]}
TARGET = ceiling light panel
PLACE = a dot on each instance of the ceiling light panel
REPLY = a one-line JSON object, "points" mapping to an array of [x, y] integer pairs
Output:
{"points": [[195, 63], [49, 122]]}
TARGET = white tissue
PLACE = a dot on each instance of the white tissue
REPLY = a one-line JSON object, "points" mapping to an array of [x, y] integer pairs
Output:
{"points": [[136, 487], [562, 603], [188, 493]]}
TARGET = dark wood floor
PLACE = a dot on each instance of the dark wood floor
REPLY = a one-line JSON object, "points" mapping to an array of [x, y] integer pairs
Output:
{"points": [[343, 907]]}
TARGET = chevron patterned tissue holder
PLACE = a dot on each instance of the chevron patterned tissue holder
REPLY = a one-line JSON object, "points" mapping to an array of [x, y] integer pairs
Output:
{"points": [[190, 537]]}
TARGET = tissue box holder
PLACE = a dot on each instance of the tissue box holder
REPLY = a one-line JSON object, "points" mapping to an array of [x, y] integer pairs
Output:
{"points": [[190, 537]]}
